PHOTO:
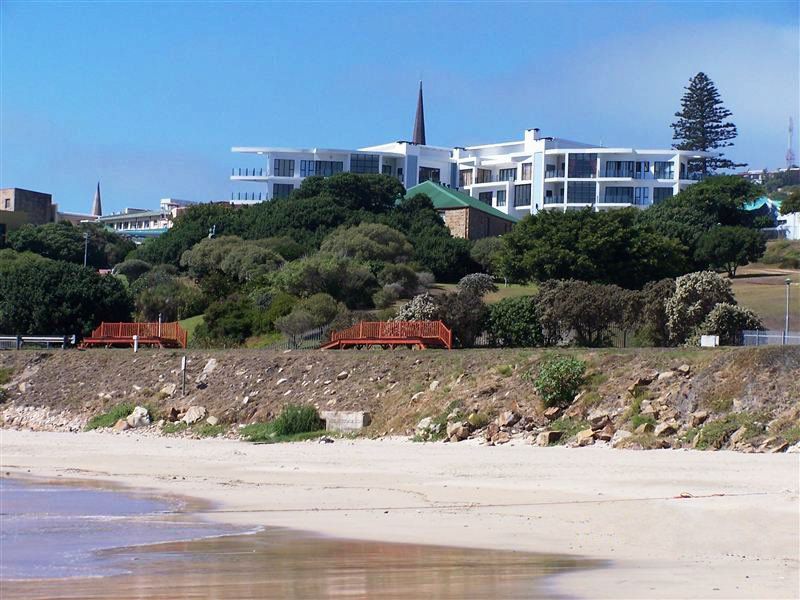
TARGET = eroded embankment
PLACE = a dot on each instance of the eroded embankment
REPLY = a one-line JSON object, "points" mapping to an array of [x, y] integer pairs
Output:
{"points": [[732, 397]]}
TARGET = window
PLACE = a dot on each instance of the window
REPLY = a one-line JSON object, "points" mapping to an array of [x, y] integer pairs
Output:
{"points": [[400, 173], [664, 170], [642, 169], [661, 193], [484, 176], [619, 168], [324, 168], [522, 195], [619, 195], [581, 192], [364, 163], [507, 174], [501, 197], [641, 196], [464, 177], [429, 174], [485, 197], [283, 167], [527, 169], [582, 165], [549, 198], [386, 169], [281, 190], [7, 203]]}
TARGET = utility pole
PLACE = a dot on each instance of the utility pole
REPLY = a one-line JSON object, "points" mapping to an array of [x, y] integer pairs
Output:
{"points": [[786, 323], [85, 247]]}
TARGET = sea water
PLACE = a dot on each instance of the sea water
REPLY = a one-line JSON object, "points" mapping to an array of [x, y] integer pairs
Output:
{"points": [[50, 530]]}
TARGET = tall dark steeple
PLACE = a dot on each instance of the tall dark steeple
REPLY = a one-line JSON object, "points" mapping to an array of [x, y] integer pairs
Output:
{"points": [[419, 121], [97, 206]]}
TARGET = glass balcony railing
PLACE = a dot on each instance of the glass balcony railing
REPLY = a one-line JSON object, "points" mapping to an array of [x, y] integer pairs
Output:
{"points": [[247, 172], [248, 196], [554, 199], [553, 173]]}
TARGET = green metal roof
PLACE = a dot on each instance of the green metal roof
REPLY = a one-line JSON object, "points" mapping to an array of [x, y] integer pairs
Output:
{"points": [[444, 198]]}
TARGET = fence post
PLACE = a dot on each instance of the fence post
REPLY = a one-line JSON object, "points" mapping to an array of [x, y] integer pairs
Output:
{"points": [[19, 342], [64, 343], [136, 343]]}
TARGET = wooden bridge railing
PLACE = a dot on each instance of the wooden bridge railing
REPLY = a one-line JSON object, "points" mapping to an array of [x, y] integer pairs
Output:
{"points": [[166, 331], [388, 330]]}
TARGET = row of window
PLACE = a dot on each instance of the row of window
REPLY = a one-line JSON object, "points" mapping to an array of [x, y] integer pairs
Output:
{"points": [[583, 192], [486, 198], [465, 176], [324, 168]]}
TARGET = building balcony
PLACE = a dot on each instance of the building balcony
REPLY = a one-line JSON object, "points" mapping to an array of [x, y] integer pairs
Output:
{"points": [[554, 173], [248, 196], [247, 174]]}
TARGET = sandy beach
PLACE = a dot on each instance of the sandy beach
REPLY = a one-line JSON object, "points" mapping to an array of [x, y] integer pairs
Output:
{"points": [[671, 524]]}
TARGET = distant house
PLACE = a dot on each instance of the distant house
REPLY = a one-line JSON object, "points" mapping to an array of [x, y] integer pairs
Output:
{"points": [[19, 207], [465, 216], [786, 226]]}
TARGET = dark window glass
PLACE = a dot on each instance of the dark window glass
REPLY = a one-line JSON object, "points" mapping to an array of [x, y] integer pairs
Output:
{"points": [[619, 194], [661, 193], [386, 169], [664, 169], [464, 177], [429, 174], [582, 165], [620, 168], [642, 169], [364, 163], [485, 197], [281, 190], [324, 168], [484, 176], [501, 197], [581, 192], [283, 167], [507, 174], [522, 194], [527, 169], [641, 196]]}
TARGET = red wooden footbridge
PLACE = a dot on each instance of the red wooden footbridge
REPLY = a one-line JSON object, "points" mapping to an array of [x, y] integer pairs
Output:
{"points": [[120, 335], [390, 334]]}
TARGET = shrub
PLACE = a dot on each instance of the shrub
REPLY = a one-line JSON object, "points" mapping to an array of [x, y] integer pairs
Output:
{"points": [[132, 269], [386, 297], [322, 308], [784, 253], [696, 295], [110, 418], [402, 276], [294, 420], [486, 252], [559, 380], [479, 284], [426, 279], [420, 308], [730, 247], [715, 434], [727, 321], [368, 242], [515, 322]]}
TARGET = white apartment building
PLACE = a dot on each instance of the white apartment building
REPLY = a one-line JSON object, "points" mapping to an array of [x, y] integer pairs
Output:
{"points": [[518, 178]]}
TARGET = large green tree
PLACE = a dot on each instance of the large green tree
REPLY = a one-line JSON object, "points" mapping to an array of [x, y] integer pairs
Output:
{"points": [[42, 296], [703, 125], [729, 248], [64, 241]]}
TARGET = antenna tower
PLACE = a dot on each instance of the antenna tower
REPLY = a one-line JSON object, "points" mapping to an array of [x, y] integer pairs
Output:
{"points": [[789, 151]]}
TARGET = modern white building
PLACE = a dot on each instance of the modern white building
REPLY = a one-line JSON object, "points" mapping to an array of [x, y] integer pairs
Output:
{"points": [[518, 178], [139, 223]]}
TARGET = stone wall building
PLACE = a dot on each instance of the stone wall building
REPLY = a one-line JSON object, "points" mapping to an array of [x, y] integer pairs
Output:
{"points": [[466, 217], [19, 207]]}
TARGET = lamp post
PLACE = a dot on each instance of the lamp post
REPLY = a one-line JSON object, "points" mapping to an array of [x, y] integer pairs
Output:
{"points": [[85, 247]]}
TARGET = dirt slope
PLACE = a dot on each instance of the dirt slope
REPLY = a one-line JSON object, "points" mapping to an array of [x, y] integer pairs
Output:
{"points": [[62, 389]]}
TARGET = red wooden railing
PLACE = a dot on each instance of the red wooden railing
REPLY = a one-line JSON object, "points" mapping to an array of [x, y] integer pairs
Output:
{"points": [[164, 331], [390, 330]]}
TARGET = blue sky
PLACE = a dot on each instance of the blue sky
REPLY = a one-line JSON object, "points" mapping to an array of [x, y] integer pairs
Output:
{"points": [[149, 97]]}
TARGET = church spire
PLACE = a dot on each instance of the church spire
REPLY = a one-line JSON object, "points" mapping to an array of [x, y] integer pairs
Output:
{"points": [[97, 206], [419, 121]]}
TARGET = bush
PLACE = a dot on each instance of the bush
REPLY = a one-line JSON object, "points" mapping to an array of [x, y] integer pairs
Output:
{"points": [[386, 297], [368, 242], [401, 275], [486, 252], [110, 418], [728, 321], [696, 295], [322, 308], [479, 284], [132, 269], [515, 322], [420, 308], [294, 420], [559, 380], [784, 253]]}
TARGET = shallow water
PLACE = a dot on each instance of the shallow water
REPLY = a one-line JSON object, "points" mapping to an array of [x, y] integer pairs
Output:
{"points": [[86, 535]]}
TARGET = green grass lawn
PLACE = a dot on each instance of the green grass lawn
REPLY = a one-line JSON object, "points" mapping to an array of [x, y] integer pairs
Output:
{"points": [[191, 324], [766, 296]]}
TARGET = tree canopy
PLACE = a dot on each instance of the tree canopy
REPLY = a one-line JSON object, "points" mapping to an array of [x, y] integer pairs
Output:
{"points": [[703, 125]]}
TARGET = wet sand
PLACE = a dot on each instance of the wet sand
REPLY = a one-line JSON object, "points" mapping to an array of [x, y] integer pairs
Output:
{"points": [[673, 524], [287, 564]]}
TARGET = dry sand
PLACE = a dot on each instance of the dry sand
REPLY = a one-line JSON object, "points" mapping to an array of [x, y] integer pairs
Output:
{"points": [[737, 536]]}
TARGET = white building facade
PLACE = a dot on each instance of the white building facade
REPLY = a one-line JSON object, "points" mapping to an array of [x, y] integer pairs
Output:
{"points": [[518, 178]]}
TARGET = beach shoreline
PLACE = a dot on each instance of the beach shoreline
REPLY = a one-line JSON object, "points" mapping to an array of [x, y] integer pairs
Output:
{"points": [[670, 523]]}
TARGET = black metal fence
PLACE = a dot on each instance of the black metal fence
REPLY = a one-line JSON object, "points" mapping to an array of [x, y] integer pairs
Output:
{"points": [[308, 340]]}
